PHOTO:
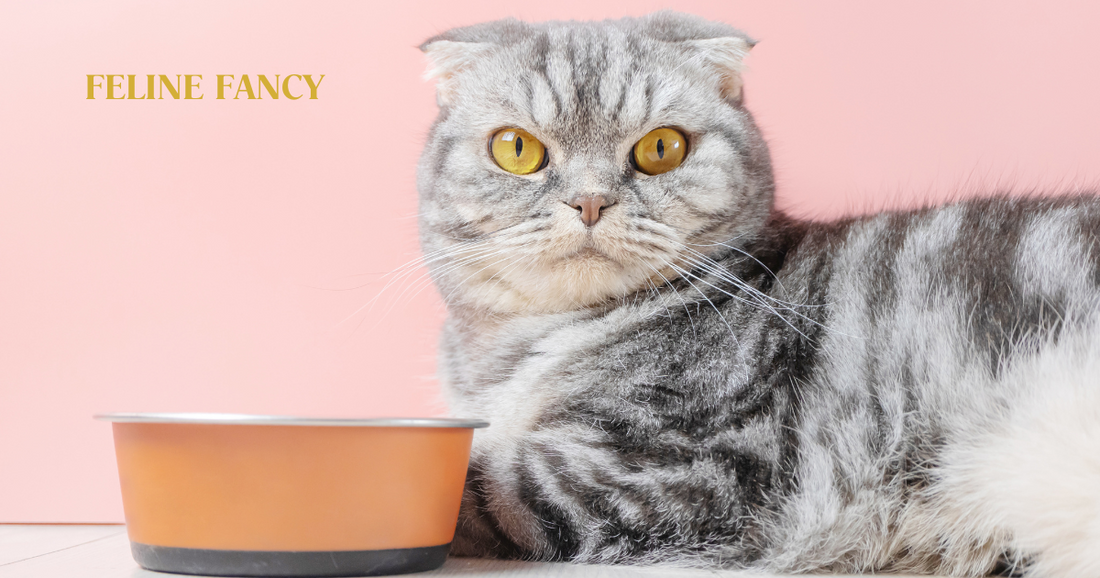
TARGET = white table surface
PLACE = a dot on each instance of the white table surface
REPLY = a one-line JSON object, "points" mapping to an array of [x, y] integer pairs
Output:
{"points": [[102, 551]]}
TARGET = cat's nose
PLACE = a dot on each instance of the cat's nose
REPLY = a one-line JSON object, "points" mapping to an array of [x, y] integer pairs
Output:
{"points": [[590, 207]]}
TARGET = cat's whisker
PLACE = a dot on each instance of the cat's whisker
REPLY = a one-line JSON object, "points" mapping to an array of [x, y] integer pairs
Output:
{"points": [[721, 271], [746, 254], [753, 302], [447, 298], [718, 265], [499, 275], [680, 297], [749, 255], [717, 270], [657, 296], [427, 257], [760, 297], [445, 253], [752, 291], [438, 255], [426, 280], [685, 274]]}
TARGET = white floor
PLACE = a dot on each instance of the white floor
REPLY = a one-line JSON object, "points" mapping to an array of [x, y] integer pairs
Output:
{"points": [[95, 551]]}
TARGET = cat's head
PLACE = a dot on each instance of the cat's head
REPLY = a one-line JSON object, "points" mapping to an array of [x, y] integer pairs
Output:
{"points": [[577, 162]]}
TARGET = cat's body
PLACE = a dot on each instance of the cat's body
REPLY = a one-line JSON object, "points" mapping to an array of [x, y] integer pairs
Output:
{"points": [[699, 379]]}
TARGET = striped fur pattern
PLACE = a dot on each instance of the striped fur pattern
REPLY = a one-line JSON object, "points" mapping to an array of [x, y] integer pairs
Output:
{"points": [[699, 379]]}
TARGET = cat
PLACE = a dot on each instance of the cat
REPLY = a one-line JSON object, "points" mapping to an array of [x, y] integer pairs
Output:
{"points": [[677, 372]]}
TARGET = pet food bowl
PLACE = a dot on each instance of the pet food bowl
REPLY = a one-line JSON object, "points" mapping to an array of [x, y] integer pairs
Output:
{"points": [[248, 495]]}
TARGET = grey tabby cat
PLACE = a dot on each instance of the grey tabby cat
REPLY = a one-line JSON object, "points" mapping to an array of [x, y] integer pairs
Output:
{"points": [[678, 373]]}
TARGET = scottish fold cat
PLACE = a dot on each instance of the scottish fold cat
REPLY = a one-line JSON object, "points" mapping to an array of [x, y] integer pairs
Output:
{"points": [[677, 372]]}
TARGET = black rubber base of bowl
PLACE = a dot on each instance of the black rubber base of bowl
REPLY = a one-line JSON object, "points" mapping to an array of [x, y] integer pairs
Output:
{"points": [[262, 563]]}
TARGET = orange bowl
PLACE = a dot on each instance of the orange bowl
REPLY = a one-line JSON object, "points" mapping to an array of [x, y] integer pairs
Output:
{"points": [[244, 495]]}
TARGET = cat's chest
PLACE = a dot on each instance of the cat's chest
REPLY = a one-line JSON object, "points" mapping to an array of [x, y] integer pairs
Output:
{"points": [[628, 363], [511, 372]]}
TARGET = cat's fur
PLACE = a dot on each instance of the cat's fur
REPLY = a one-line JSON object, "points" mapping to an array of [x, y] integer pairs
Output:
{"points": [[700, 379]]}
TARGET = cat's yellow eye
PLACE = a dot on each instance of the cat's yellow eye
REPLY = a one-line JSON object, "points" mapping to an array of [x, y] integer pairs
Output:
{"points": [[517, 152], [660, 151]]}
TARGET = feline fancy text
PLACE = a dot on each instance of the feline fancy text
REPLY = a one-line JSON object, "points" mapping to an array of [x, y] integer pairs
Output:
{"points": [[189, 86]]}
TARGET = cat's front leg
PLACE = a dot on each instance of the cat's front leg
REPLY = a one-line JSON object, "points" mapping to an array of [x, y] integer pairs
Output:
{"points": [[479, 532]]}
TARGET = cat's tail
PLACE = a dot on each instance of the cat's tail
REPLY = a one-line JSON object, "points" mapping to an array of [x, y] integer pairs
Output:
{"points": [[1037, 478]]}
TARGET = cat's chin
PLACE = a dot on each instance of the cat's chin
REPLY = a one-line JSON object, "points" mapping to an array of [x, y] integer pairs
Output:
{"points": [[586, 278]]}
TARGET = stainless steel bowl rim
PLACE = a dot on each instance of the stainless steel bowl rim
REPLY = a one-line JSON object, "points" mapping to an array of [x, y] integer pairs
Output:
{"points": [[250, 419]]}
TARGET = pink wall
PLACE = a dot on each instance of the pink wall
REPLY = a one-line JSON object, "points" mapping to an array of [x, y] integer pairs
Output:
{"points": [[215, 255]]}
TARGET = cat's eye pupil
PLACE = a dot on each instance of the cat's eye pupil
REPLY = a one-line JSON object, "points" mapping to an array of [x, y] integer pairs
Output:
{"points": [[659, 151], [517, 151]]}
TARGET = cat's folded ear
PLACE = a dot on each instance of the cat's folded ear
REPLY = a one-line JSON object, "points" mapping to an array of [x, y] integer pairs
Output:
{"points": [[719, 46], [457, 49], [725, 56], [446, 59]]}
